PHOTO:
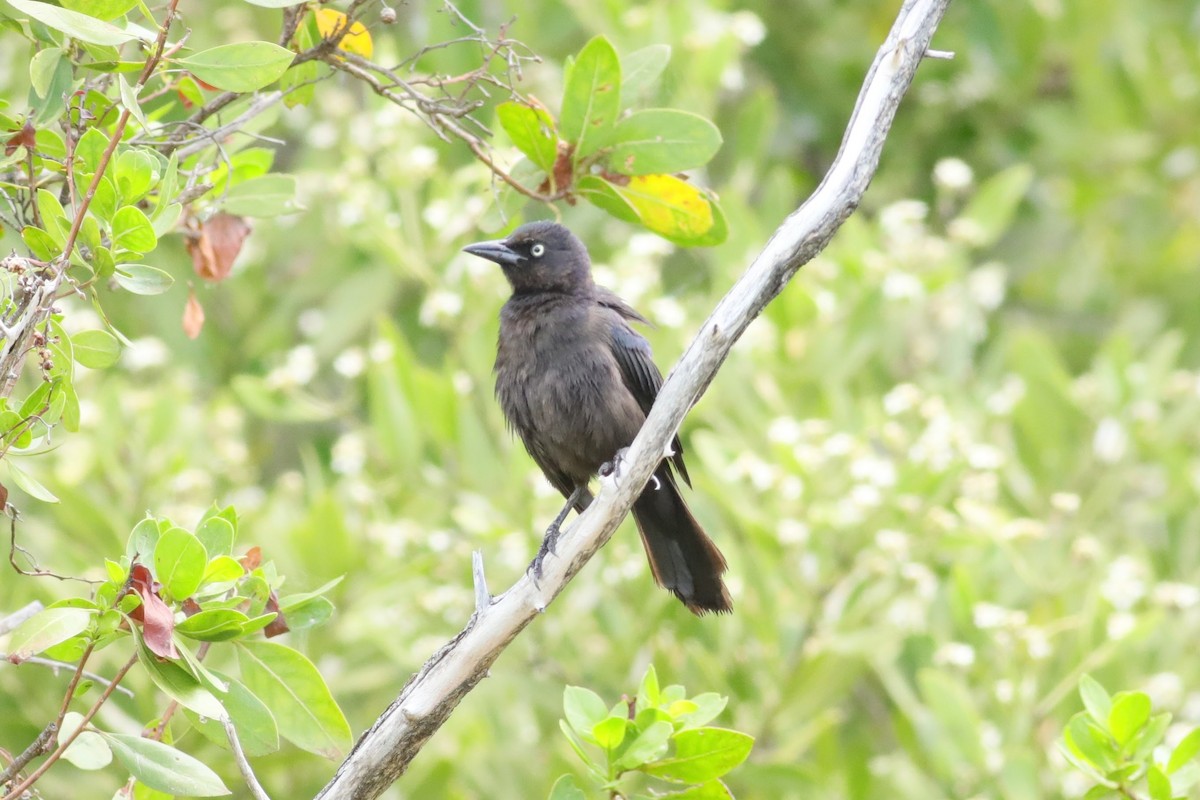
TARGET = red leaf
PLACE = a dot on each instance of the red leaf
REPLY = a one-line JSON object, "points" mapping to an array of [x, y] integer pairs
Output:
{"points": [[278, 625], [157, 620], [191, 607], [193, 316], [26, 137], [253, 558], [215, 245]]}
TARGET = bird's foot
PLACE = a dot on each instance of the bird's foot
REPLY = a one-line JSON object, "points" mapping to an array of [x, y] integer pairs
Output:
{"points": [[549, 543], [612, 469]]}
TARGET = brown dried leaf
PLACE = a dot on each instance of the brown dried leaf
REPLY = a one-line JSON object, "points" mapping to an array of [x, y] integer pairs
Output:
{"points": [[253, 558], [216, 244], [278, 625], [26, 137], [158, 622], [193, 316]]}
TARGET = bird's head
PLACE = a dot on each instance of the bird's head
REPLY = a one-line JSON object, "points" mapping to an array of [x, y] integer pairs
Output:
{"points": [[539, 257]]}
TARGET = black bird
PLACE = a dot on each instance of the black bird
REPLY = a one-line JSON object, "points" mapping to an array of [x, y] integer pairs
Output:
{"points": [[576, 382]]}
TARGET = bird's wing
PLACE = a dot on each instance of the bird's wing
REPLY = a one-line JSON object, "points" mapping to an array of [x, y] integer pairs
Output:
{"points": [[641, 375]]}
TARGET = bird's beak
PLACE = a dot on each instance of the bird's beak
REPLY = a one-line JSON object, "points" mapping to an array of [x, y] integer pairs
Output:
{"points": [[497, 251]]}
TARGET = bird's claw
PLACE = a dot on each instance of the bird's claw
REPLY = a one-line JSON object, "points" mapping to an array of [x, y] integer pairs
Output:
{"points": [[549, 543], [612, 469]]}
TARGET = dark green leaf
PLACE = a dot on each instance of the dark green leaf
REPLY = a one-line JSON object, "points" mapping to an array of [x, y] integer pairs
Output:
{"points": [[179, 562], [591, 97]]}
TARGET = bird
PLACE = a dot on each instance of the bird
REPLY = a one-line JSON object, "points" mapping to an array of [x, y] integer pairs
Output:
{"points": [[575, 382]]}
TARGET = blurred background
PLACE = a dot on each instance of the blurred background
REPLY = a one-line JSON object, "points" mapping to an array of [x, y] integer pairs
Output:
{"points": [[953, 467]]}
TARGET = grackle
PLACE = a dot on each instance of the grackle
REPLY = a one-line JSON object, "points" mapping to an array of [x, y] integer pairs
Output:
{"points": [[576, 382]]}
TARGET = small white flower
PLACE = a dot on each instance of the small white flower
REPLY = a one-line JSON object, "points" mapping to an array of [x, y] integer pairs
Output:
{"points": [[668, 312], [1176, 595], [1065, 502], [350, 363], [747, 27], [892, 542], [954, 654], [145, 353], [953, 174], [903, 397], [987, 285], [1120, 624], [311, 322], [1111, 441], [1124, 584], [784, 430], [902, 286], [441, 306], [793, 531]]}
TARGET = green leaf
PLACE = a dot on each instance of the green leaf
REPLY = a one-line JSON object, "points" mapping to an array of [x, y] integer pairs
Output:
{"points": [[591, 97], [642, 69], [648, 695], [134, 174], [1130, 712], [708, 706], [702, 754], [40, 243], [583, 709], [710, 790], [661, 140], [294, 690], [162, 767], [298, 85], [264, 196], [241, 67], [178, 684], [96, 349], [101, 9], [993, 206], [142, 541], [308, 614], [565, 788], [104, 202], [129, 99], [1085, 739], [1185, 751], [1158, 783], [132, 230], [89, 750], [90, 149], [609, 732], [666, 205], [179, 562], [532, 131], [256, 728], [605, 196], [45, 629], [216, 534], [142, 279], [217, 625], [29, 484], [223, 569], [650, 744], [41, 69], [51, 212], [73, 24]]}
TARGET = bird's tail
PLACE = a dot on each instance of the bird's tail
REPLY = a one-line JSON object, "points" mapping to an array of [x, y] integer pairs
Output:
{"points": [[682, 557]]}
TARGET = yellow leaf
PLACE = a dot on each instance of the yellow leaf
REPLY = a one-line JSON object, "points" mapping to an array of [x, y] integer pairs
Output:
{"points": [[356, 41], [669, 206]]}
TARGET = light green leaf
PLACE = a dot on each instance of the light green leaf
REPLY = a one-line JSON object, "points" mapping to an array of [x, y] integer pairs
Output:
{"points": [[40, 243], [179, 562], [73, 24], [135, 174], [162, 767], [650, 744], [223, 569], [256, 728], [661, 140], [129, 99], [264, 196], [217, 625], [88, 151], [101, 9], [992, 208], [142, 540], [609, 732], [41, 69], [1130, 712], [702, 754], [29, 484], [1095, 699], [294, 690], [532, 131], [96, 349], [51, 211], [241, 67], [89, 750], [709, 790], [142, 279], [565, 788], [216, 534], [1185, 751], [642, 69], [583, 709], [45, 629], [591, 97], [132, 230]]}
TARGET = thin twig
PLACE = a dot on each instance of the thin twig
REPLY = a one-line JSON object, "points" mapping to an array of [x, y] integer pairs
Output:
{"points": [[61, 665], [13, 620], [63, 745], [239, 755], [37, 747]]}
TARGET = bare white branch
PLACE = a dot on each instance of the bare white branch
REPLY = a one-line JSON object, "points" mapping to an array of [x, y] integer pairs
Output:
{"points": [[384, 752], [239, 755]]}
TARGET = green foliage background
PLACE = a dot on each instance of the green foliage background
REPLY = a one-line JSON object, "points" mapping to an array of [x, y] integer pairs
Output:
{"points": [[953, 467]]}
